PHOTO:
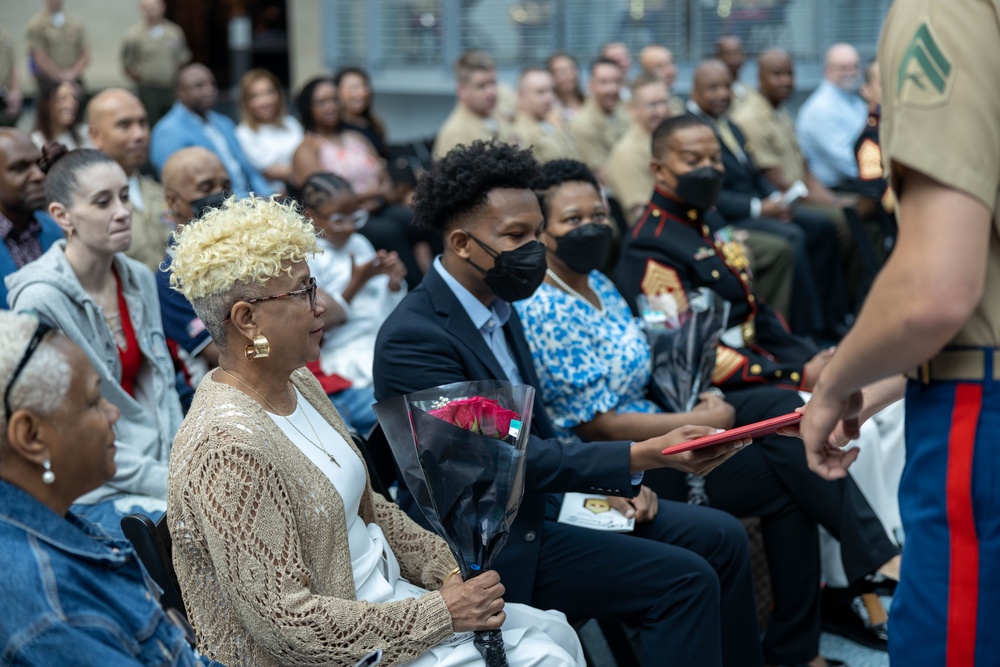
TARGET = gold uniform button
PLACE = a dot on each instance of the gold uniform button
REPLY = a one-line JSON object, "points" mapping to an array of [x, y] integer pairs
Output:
{"points": [[795, 377], [656, 213], [715, 273], [751, 298], [777, 374], [705, 230], [755, 369], [692, 214], [743, 276]]}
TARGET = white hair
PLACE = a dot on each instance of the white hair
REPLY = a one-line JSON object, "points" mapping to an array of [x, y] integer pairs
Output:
{"points": [[42, 385]]}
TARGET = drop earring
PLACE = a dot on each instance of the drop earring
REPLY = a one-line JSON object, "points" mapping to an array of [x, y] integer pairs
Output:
{"points": [[260, 349], [48, 477]]}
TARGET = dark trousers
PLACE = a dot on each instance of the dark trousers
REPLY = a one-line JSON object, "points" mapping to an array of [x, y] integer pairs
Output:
{"points": [[157, 101], [683, 579], [819, 299], [770, 479]]}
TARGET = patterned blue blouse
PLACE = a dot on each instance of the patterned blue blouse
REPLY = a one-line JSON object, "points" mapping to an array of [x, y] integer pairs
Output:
{"points": [[588, 362]]}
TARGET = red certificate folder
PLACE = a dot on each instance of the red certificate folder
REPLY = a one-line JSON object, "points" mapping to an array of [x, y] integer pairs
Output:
{"points": [[755, 430]]}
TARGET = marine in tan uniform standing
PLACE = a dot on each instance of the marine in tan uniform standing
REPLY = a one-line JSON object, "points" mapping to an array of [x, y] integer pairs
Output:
{"points": [[119, 127], [536, 125], [153, 51], [934, 312], [603, 118], [10, 89], [474, 115], [57, 45], [628, 172], [660, 61]]}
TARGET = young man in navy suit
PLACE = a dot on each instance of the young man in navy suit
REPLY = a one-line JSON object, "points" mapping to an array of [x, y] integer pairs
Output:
{"points": [[683, 575]]}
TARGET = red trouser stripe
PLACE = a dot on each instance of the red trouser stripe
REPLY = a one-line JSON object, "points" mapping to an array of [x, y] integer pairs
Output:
{"points": [[963, 577]]}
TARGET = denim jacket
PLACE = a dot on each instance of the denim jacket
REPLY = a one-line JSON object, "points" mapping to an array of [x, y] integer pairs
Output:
{"points": [[71, 595]]}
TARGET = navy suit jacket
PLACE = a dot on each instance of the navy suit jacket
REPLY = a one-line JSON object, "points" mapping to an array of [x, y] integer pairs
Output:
{"points": [[429, 341], [743, 182], [49, 234]]}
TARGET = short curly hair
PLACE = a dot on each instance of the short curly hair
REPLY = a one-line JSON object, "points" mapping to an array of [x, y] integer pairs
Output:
{"points": [[459, 183], [556, 173], [233, 251]]}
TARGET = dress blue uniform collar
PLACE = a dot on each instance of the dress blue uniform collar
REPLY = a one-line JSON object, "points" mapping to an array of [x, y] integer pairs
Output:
{"points": [[71, 534]]}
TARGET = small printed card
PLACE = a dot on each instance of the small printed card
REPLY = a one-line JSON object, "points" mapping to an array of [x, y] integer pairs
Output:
{"points": [[594, 512]]}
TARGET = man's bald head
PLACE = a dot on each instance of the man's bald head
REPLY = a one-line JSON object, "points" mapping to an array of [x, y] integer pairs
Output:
{"points": [[776, 75], [119, 126], [729, 49], [711, 91], [196, 88], [660, 61], [191, 174], [842, 66]]}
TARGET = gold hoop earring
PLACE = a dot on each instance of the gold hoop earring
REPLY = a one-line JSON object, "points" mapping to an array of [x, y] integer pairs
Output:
{"points": [[260, 349], [69, 235]]}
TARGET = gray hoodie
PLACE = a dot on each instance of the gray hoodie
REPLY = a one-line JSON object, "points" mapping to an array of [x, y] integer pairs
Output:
{"points": [[150, 419]]}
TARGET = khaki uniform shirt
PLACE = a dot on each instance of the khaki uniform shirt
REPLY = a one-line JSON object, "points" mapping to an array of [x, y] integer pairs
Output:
{"points": [[150, 231], [771, 135], [628, 173], [64, 44], [940, 64], [155, 53], [676, 106], [546, 141], [464, 127], [596, 132], [7, 62]]}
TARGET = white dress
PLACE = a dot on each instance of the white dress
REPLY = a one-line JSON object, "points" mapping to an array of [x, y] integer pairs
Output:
{"points": [[531, 637], [270, 145]]}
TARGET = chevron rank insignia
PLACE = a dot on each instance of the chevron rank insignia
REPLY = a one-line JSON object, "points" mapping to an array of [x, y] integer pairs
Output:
{"points": [[924, 77], [869, 160], [660, 279]]}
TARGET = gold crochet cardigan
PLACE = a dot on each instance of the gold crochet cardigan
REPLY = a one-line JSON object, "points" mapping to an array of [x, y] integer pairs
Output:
{"points": [[260, 545]]}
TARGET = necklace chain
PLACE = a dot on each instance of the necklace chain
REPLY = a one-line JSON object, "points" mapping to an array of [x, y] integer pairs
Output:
{"points": [[572, 292], [317, 444]]}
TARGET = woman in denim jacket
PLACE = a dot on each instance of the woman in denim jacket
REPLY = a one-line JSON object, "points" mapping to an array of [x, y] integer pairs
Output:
{"points": [[72, 595], [106, 303]]}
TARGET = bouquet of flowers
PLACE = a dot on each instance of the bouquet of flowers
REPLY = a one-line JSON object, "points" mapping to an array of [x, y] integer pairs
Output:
{"points": [[682, 343], [461, 451]]}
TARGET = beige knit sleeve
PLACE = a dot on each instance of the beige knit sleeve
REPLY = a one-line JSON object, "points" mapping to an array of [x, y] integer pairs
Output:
{"points": [[248, 522], [423, 557]]}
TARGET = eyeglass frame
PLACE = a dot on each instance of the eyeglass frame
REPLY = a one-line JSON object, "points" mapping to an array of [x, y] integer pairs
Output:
{"points": [[33, 344], [310, 290], [359, 219]]}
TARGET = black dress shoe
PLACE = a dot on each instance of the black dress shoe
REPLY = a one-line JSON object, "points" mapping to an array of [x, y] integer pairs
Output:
{"points": [[844, 615]]}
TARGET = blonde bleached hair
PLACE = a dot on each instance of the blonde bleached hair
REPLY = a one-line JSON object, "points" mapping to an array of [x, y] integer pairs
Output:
{"points": [[231, 252]]}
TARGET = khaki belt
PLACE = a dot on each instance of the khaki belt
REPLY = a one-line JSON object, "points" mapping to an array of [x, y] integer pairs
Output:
{"points": [[957, 365]]}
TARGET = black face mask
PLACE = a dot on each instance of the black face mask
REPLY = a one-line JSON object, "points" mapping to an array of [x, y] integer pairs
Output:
{"points": [[201, 206], [700, 188], [585, 248], [516, 274]]}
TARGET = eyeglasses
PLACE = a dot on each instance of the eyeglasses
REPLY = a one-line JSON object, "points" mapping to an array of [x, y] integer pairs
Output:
{"points": [[357, 219], [310, 290], [36, 340]]}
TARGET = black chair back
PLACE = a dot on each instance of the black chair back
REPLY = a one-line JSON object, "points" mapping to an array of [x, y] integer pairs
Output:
{"points": [[151, 542]]}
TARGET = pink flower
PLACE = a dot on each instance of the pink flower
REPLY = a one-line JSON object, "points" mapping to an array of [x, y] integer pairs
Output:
{"points": [[479, 415]]}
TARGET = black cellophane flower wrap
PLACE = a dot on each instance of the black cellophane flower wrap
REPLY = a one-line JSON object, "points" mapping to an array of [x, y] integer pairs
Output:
{"points": [[468, 485]]}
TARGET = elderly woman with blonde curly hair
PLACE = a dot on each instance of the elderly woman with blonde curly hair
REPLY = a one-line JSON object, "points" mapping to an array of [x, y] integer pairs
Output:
{"points": [[283, 552]]}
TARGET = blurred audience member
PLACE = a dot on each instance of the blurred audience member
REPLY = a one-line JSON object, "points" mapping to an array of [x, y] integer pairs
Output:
{"points": [[191, 122], [329, 147], [268, 135], [566, 76], [603, 119], [82, 598], [473, 117], [57, 45], [106, 303], [729, 49], [660, 61], [119, 127], [619, 53], [367, 285], [26, 229], [534, 127], [153, 51], [194, 181], [830, 121], [10, 87], [629, 177], [354, 89], [872, 182], [58, 115], [748, 200]]}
